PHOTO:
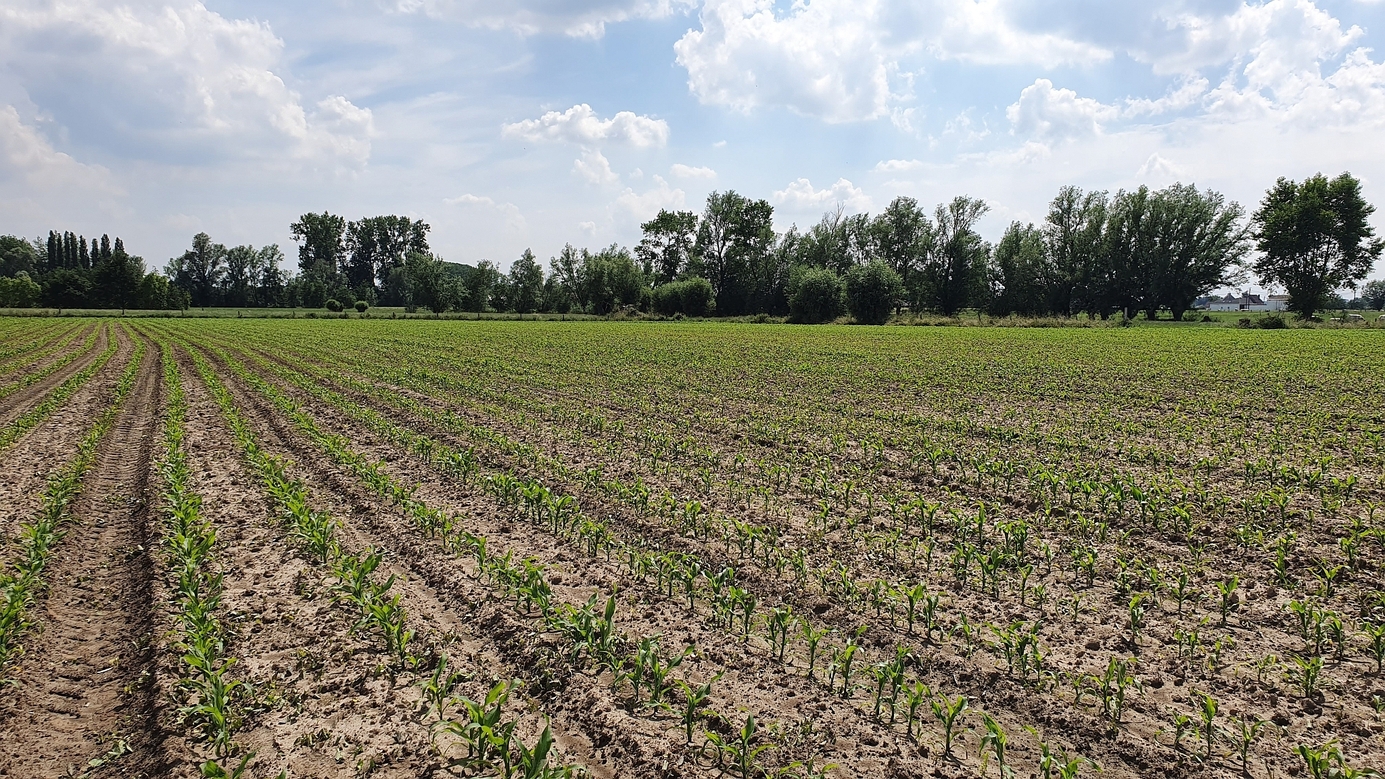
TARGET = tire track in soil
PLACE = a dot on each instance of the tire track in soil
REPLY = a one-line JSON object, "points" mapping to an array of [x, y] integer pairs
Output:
{"points": [[588, 726], [87, 673], [30, 396], [41, 451]]}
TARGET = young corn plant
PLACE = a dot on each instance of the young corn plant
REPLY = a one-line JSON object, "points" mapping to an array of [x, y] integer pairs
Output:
{"points": [[948, 713], [694, 701], [995, 741]]}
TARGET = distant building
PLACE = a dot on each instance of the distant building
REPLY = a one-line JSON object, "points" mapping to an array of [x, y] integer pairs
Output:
{"points": [[1240, 302], [1274, 303]]}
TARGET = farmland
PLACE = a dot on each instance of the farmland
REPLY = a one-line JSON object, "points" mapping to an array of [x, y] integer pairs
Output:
{"points": [[540, 549]]}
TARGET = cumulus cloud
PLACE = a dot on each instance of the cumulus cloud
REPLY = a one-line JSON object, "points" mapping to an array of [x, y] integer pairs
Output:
{"points": [[514, 220], [682, 171], [800, 195], [594, 167], [643, 206], [1057, 114], [897, 166], [849, 60], [581, 125], [583, 19], [171, 80], [27, 157]]}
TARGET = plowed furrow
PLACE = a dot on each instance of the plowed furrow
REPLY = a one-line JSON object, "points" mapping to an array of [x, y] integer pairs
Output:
{"points": [[84, 686], [26, 398]]}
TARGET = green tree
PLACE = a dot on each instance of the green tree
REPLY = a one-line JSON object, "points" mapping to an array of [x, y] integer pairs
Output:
{"points": [[667, 245], [431, 287], [526, 283], [610, 279], [17, 255], [1373, 294], [954, 274], [67, 288], [816, 295], [321, 245], [199, 270], [376, 245], [1201, 243], [478, 285], [872, 292], [1314, 238], [735, 235], [902, 236], [19, 291], [237, 282], [1075, 269], [118, 279], [1018, 270]]}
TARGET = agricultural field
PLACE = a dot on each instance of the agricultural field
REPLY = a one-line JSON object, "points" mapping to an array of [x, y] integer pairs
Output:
{"points": [[341, 548]]}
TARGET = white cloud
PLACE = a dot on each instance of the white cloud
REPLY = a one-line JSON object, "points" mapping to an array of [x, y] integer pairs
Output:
{"points": [[583, 19], [1158, 169], [850, 60], [581, 125], [171, 81], [897, 166], [26, 156], [800, 195], [514, 220], [644, 206], [682, 171], [594, 167], [1057, 114]]}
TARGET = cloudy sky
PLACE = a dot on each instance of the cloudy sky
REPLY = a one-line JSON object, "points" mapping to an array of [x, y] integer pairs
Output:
{"points": [[532, 123]]}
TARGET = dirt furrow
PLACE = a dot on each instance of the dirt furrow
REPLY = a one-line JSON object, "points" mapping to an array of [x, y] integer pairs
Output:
{"points": [[84, 689], [32, 459], [30, 396]]}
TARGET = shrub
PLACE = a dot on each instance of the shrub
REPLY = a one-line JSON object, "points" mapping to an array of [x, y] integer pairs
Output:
{"points": [[689, 297], [1273, 322], [871, 292], [361, 306], [817, 297], [333, 305]]}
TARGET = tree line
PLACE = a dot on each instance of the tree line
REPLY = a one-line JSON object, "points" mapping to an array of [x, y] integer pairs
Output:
{"points": [[1095, 253]]}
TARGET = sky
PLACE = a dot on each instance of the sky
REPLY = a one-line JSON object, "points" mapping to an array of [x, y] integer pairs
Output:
{"points": [[535, 123]]}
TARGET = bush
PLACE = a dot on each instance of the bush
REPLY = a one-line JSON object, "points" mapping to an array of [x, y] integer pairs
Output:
{"points": [[1272, 322], [689, 297], [361, 306], [871, 292], [333, 305], [817, 296]]}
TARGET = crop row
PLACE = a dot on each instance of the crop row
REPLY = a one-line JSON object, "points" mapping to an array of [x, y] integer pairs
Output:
{"points": [[22, 578], [490, 738], [732, 607], [34, 342], [55, 399], [32, 377], [1226, 598]]}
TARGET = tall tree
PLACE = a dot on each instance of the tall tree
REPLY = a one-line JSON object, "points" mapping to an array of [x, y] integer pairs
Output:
{"points": [[377, 245], [1200, 246], [735, 232], [667, 245], [118, 280], [238, 281], [1018, 272], [902, 236], [1314, 238], [269, 278], [321, 245], [955, 272], [526, 283], [1131, 246], [199, 270], [1074, 270]]}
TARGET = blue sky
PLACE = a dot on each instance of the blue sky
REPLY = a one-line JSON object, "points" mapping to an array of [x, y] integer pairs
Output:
{"points": [[533, 123]]}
